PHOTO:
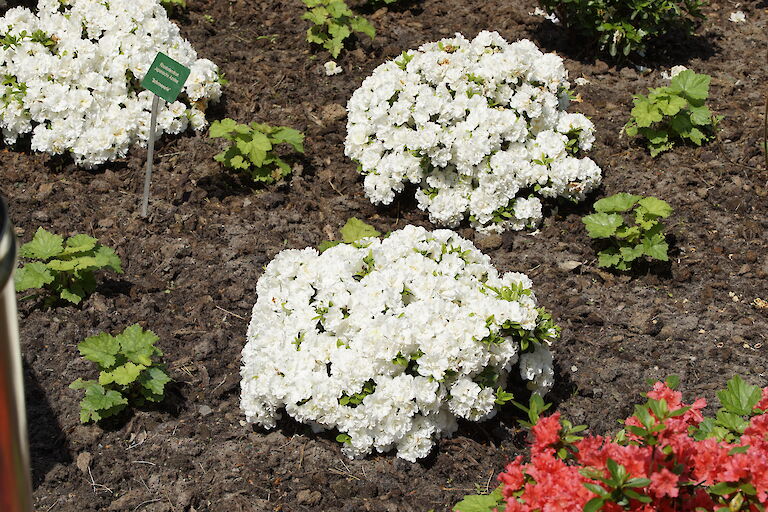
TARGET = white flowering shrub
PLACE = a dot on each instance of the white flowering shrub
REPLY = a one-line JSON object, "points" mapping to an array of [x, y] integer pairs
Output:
{"points": [[480, 126], [391, 341], [71, 74]]}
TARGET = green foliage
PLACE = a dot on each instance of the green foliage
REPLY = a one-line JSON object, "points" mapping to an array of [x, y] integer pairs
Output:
{"points": [[535, 407], [738, 402], [628, 241], [351, 232], [65, 269], [672, 113], [333, 21], [622, 27], [619, 487], [480, 502], [253, 148], [173, 4], [128, 375]]}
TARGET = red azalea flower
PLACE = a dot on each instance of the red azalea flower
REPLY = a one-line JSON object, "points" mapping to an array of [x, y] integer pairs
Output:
{"points": [[664, 483]]}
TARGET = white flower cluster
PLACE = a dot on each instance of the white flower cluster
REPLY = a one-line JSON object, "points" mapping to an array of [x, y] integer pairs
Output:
{"points": [[72, 71], [390, 341], [479, 125]]}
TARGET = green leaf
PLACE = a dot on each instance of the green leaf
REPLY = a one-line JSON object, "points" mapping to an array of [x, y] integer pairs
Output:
{"points": [[655, 206], [629, 253], [324, 246], [692, 85], [32, 275], [645, 113], [732, 422], [701, 116], [355, 229], [44, 245], [739, 398], [289, 136], [154, 380], [101, 349], [671, 105], [98, 402], [74, 294], [656, 247], [122, 375], [722, 488], [63, 265], [480, 502], [360, 24], [602, 225], [608, 258], [620, 202], [79, 243], [137, 344], [594, 505], [222, 128], [106, 257]]}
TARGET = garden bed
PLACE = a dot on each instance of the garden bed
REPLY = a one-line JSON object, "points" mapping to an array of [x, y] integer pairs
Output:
{"points": [[191, 268]]}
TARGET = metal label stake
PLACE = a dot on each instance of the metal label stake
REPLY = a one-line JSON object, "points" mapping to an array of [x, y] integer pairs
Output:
{"points": [[165, 79], [150, 154]]}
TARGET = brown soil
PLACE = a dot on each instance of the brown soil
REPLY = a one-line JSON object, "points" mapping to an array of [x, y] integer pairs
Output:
{"points": [[191, 270]]}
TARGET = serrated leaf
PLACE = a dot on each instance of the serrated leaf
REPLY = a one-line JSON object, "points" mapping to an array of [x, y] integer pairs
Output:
{"points": [[645, 113], [99, 403], [631, 253], [480, 502], [732, 422], [63, 265], [671, 105], [137, 344], [655, 206], [608, 258], [602, 225], [739, 397], [360, 24], [696, 136], [32, 275], [701, 116], [289, 136], [79, 243], [620, 202], [74, 294], [101, 349], [123, 375], [106, 257], [43, 245], [355, 229], [324, 246], [154, 380], [690, 84], [656, 247], [222, 128]]}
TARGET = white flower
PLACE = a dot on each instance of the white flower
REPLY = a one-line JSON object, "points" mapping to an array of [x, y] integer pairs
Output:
{"points": [[581, 81], [673, 72], [77, 90], [331, 68], [738, 17], [540, 12], [477, 125], [390, 341]]}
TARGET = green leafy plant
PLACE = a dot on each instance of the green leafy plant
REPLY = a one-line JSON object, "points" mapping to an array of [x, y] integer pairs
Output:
{"points": [[629, 240], [333, 22], [173, 4], [128, 374], [622, 27], [65, 269], [738, 402], [481, 502], [352, 231], [672, 113], [253, 148]]}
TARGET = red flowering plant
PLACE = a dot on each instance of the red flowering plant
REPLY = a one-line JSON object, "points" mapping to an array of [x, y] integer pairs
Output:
{"points": [[668, 457]]}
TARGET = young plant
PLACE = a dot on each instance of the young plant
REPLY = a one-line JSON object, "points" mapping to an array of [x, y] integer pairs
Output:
{"points": [[621, 27], [253, 148], [633, 239], [128, 374], [673, 113], [65, 269], [333, 22]]}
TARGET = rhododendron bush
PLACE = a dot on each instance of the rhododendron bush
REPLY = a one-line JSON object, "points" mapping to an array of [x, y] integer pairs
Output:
{"points": [[669, 457], [71, 73], [480, 126], [391, 341]]}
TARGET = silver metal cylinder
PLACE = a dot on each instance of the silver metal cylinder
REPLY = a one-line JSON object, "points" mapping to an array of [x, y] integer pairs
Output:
{"points": [[15, 486]]}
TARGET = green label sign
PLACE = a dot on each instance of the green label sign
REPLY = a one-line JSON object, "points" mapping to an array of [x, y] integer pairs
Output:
{"points": [[165, 78]]}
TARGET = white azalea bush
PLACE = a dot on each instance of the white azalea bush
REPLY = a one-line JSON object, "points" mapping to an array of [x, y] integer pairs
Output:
{"points": [[391, 341], [71, 74], [480, 126]]}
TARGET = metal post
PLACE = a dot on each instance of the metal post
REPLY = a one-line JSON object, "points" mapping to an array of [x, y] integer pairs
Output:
{"points": [[150, 154], [15, 486]]}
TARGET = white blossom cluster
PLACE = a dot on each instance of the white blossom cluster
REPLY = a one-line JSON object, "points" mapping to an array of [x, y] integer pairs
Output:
{"points": [[479, 125], [72, 72], [391, 341]]}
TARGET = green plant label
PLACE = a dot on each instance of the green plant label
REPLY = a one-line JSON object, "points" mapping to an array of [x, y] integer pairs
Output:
{"points": [[165, 77]]}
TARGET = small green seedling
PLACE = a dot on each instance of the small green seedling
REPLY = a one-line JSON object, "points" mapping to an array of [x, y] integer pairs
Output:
{"points": [[64, 268], [674, 113], [333, 22], [253, 148], [629, 241], [128, 374], [353, 230]]}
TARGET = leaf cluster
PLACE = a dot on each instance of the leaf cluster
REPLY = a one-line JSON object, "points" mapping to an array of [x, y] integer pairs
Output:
{"points": [[333, 22], [624, 27], [633, 239], [481, 502], [617, 488], [65, 269], [253, 148], [128, 375], [354, 230], [674, 113], [738, 403]]}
